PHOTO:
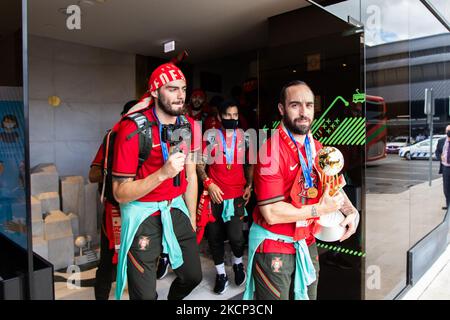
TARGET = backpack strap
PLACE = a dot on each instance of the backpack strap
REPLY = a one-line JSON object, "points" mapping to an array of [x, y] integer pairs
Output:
{"points": [[144, 129], [106, 140]]}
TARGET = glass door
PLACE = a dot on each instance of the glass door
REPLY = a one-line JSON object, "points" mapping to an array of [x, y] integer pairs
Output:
{"points": [[327, 53]]}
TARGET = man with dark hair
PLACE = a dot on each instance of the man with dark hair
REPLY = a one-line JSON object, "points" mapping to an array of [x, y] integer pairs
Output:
{"points": [[157, 201], [228, 182], [197, 107], [283, 259], [108, 257]]}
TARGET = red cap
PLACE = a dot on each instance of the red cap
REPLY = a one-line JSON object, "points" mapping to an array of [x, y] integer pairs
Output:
{"points": [[199, 92], [164, 74]]}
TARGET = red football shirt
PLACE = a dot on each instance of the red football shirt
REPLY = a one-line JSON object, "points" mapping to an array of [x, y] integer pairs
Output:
{"points": [[126, 153], [231, 182], [212, 123], [274, 177], [98, 160]]}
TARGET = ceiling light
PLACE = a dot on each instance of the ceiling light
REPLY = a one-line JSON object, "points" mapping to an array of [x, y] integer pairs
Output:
{"points": [[169, 46]]}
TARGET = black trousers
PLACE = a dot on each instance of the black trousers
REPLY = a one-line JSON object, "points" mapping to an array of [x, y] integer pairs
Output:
{"points": [[106, 269], [218, 231], [274, 275], [446, 183], [145, 251]]}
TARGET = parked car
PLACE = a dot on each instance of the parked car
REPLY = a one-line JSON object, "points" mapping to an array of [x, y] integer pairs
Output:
{"points": [[398, 142], [420, 150]]}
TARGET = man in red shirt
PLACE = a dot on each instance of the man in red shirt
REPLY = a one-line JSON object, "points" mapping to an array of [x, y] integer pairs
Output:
{"points": [[198, 109], [105, 270], [281, 244], [158, 213], [228, 183]]}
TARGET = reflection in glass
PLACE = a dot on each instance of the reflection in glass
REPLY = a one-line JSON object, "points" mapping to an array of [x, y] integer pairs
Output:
{"points": [[12, 127], [405, 53], [443, 7]]}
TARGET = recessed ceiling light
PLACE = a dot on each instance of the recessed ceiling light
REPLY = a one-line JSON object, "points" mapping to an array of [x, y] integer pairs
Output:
{"points": [[169, 46]]}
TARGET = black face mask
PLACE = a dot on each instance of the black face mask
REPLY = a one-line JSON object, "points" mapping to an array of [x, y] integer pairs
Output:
{"points": [[448, 134], [230, 123]]}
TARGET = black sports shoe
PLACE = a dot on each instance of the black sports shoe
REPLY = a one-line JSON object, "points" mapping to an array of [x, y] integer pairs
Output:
{"points": [[163, 267], [239, 274], [221, 283]]}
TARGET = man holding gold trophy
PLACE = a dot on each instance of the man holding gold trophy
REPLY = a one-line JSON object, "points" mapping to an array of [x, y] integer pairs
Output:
{"points": [[294, 194]]}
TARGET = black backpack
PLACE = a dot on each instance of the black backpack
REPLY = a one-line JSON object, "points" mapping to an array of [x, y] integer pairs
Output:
{"points": [[144, 130]]}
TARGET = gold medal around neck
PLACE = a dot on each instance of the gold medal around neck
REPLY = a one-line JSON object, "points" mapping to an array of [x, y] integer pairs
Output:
{"points": [[229, 166], [312, 192]]}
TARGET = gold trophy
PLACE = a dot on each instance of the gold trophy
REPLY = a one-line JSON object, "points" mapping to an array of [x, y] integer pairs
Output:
{"points": [[330, 162]]}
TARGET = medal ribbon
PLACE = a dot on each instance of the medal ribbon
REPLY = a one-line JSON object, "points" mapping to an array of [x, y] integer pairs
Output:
{"points": [[229, 155], [306, 169]]}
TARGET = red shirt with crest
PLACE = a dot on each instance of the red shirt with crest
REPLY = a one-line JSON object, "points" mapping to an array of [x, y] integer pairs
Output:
{"points": [[275, 174], [126, 152]]}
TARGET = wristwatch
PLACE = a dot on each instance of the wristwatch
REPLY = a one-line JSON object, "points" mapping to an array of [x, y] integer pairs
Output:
{"points": [[314, 212]]}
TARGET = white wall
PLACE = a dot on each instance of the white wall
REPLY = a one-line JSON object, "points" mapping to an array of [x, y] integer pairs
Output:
{"points": [[93, 85]]}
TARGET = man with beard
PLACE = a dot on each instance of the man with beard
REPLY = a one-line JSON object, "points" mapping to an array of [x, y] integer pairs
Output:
{"points": [[283, 259], [197, 107], [157, 214], [228, 182]]}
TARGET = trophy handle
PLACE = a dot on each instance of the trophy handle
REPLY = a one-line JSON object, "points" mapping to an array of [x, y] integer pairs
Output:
{"points": [[336, 182]]}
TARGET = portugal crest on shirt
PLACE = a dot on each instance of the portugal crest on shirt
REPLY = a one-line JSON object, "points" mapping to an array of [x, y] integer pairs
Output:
{"points": [[277, 263], [144, 243]]}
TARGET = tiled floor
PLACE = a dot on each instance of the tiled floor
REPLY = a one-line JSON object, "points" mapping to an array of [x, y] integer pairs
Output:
{"points": [[64, 291], [391, 231]]}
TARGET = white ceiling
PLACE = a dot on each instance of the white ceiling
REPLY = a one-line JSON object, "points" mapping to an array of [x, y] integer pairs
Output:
{"points": [[206, 28]]}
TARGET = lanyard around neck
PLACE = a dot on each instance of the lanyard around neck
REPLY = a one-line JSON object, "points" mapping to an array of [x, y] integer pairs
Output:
{"points": [[229, 154], [306, 169]]}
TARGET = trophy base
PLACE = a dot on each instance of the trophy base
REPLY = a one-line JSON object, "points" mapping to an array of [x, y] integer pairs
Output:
{"points": [[330, 230]]}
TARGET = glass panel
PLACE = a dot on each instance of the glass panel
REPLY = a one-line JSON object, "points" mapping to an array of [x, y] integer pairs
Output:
{"points": [[403, 54], [443, 6], [427, 55], [347, 8], [12, 127], [323, 59]]}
